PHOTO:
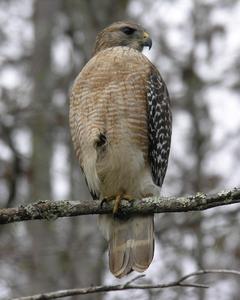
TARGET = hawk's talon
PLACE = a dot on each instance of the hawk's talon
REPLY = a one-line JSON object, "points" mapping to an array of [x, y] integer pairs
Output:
{"points": [[116, 204], [117, 201], [129, 199], [105, 200]]}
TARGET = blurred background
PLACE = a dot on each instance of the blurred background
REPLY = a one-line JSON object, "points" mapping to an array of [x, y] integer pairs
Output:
{"points": [[43, 46]]}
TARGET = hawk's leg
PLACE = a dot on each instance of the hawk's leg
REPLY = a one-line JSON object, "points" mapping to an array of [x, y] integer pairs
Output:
{"points": [[117, 200]]}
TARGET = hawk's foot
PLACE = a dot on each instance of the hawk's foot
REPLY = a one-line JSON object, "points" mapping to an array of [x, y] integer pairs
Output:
{"points": [[106, 199], [117, 201]]}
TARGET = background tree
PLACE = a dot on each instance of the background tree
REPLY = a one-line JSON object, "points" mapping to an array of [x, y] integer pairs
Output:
{"points": [[44, 44]]}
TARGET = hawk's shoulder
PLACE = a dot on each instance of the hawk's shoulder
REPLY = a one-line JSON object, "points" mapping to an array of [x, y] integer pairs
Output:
{"points": [[121, 57]]}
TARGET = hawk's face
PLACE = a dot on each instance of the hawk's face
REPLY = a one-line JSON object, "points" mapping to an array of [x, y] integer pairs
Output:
{"points": [[127, 34]]}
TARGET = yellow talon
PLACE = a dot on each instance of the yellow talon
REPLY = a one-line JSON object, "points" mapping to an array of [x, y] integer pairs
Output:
{"points": [[117, 201], [117, 204]]}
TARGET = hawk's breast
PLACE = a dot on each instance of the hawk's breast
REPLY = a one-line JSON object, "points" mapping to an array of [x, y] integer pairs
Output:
{"points": [[109, 98]]}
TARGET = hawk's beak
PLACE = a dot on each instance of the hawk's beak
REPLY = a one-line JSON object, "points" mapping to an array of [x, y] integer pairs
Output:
{"points": [[147, 42]]}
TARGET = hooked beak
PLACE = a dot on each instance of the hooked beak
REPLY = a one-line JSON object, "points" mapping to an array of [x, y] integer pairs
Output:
{"points": [[147, 42]]}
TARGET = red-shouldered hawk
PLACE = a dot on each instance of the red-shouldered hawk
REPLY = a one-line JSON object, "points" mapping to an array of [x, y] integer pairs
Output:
{"points": [[120, 121]]}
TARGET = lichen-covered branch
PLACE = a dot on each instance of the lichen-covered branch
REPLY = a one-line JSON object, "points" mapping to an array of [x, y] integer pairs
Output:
{"points": [[130, 285], [51, 210]]}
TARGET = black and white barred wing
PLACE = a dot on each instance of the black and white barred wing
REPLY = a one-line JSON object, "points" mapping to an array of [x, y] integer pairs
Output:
{"points": [[159, 126]]}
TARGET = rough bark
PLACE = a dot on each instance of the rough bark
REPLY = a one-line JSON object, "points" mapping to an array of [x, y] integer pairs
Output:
{"points": [[42, 274], [51, 210]]}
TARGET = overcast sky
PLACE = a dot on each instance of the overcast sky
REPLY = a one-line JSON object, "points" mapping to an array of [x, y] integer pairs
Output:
{"points": [[222, 99]]}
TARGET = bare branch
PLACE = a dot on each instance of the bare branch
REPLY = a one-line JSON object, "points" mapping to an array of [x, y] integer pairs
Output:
{"points": [[209, 271], [51, 210], [134, 279], [129, 286]]}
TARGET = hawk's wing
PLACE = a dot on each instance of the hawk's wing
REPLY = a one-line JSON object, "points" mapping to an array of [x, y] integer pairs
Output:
{"points": [[159, 125]]}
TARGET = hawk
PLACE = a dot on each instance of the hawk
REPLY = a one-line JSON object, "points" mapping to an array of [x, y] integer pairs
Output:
{"points": [[120, 121]]}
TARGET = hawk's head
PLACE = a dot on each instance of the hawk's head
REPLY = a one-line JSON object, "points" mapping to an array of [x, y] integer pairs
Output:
{"points": [[126, 33]]}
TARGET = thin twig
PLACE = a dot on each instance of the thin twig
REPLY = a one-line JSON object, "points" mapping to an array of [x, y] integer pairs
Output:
{"points": [[209, 271], [51, 210], [134, 279], [128, 285]]}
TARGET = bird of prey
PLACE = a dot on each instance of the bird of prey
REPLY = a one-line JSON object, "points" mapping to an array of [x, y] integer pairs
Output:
{"points": [[120, 121]]}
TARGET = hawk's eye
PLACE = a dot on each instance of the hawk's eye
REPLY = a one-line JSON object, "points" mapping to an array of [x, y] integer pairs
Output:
{"points": [[128, 30]]}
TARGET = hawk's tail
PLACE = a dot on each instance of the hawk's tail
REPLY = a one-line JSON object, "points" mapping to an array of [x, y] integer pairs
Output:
{"points": [[131, 243]]}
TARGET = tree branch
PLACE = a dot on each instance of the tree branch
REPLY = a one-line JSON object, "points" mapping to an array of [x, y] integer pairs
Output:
{"points": [[129, 285], [51, 210]]}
